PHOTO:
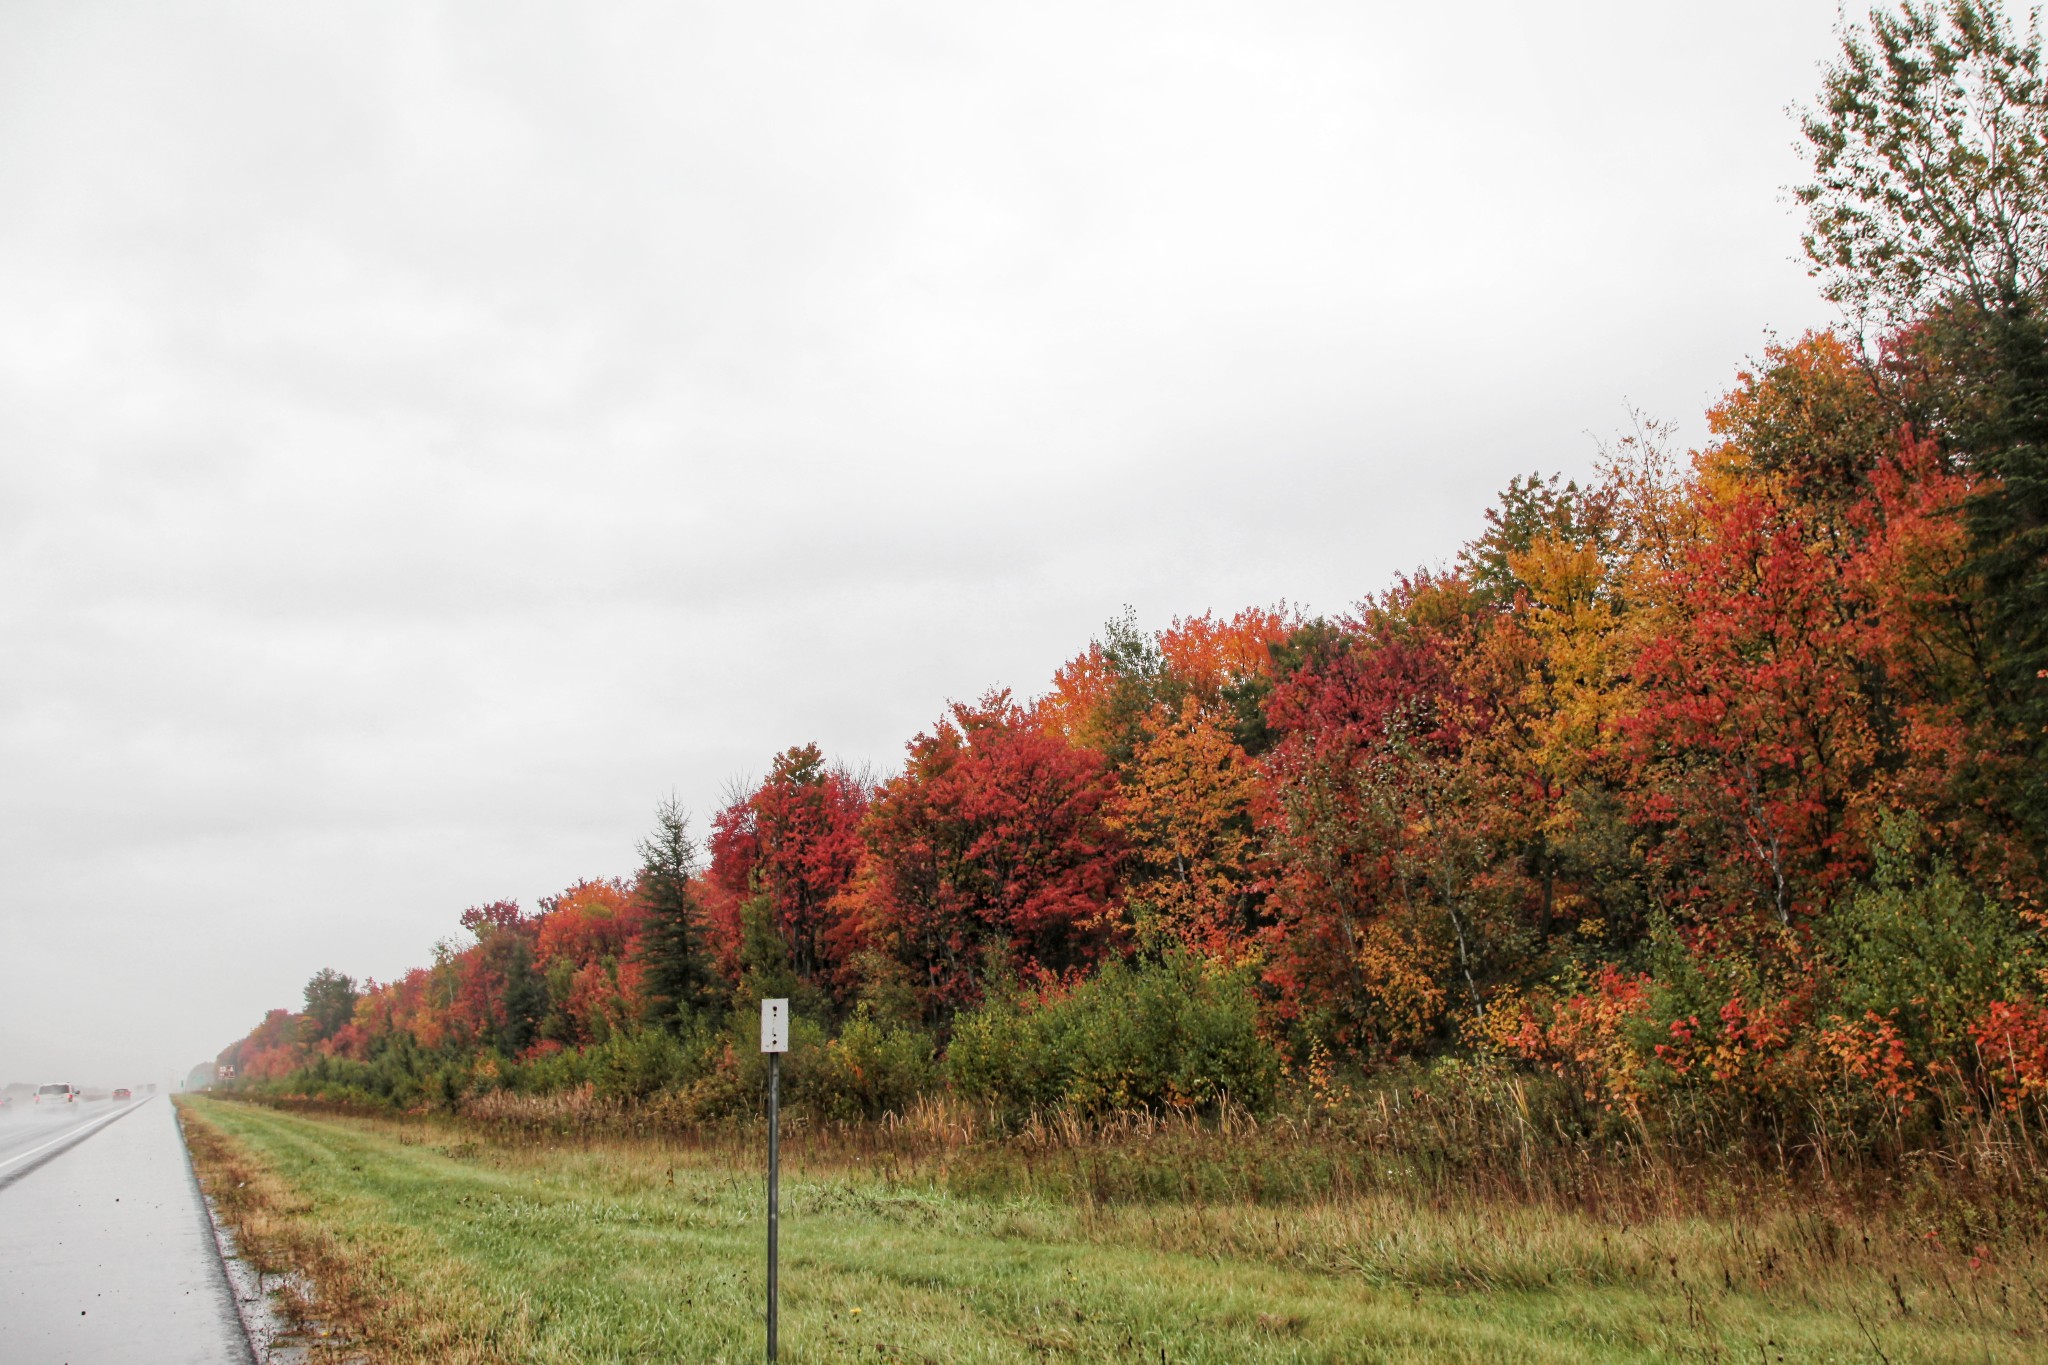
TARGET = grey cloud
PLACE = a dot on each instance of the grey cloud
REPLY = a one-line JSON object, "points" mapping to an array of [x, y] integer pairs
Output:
{"points": [[430, 434]]}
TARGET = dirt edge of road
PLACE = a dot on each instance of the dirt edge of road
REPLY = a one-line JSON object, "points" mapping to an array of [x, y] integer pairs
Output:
{"points": [[314, 1295]]}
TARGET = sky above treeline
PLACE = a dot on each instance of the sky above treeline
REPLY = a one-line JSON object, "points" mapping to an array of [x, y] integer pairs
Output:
{"points": [[432, 434]]}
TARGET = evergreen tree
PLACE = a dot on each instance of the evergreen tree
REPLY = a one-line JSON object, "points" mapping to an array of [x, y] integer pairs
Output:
{"points": [[2002, 431], [680, 983], [766, 971], [522, 991]]}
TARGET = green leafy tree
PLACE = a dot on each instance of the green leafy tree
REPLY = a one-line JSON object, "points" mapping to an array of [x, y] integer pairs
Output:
{"points": [[1928, 221], [1532, 508], [330, 1003], [1929, 177]]}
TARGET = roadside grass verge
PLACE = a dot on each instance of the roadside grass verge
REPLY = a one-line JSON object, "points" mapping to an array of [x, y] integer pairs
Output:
{"points": [[276, 1237], [439, 1242]]}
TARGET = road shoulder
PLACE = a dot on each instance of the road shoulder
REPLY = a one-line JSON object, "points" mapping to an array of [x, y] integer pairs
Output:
{"points": [[106, 1255]]}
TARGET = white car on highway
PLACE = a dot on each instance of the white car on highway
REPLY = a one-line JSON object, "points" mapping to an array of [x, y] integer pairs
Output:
{"points": [[57, 1099]]}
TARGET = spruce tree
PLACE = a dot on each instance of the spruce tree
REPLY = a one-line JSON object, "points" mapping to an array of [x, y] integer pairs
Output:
{"points": [[680, 983]]}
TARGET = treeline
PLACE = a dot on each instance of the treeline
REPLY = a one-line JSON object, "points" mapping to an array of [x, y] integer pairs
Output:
{"points": [[1712, 787]]}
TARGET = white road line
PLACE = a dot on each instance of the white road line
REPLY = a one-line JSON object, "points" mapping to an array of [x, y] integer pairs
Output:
{"points": [[99, 1122]]}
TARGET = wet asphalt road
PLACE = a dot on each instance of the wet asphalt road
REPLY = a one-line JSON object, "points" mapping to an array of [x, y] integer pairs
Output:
{"points": [[106, 1256]]}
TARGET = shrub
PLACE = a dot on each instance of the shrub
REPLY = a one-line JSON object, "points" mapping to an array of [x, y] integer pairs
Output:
{"points": [[1586, 1032], [1927, 956], [999, 1053], [546, 1070], [2012, 1038], [644, 1062], [867, 1071], [1170, 1035]]}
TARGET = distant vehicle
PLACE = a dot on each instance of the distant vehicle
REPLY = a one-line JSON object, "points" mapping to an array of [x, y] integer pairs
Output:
{"points": [[57, 1099], [122, 1094]]}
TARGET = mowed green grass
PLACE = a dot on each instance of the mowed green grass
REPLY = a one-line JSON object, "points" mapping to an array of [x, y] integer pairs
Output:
{"points": [[634, 1252]]}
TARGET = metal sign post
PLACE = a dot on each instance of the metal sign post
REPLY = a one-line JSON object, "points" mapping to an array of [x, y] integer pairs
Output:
{"points": [[774, 1042]]}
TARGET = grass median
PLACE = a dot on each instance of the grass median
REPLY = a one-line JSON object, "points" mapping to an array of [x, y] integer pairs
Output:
{"points": [[429, 1242]]}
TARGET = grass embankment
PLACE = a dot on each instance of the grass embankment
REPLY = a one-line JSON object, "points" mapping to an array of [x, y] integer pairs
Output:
{"points": [[430, 1241]]}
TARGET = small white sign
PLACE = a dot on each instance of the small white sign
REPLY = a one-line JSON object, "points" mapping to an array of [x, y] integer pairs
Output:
{"points": [[774, 1026]]}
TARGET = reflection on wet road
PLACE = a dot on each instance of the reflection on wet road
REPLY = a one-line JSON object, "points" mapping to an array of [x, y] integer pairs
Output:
{"points": [[29, 1135], [105, 1252]]}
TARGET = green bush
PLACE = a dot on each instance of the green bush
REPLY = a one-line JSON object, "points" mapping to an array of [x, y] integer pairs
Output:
{"points": [[549, 1074], [644, 1062], [732, 1086], [999, 1053], [1168, 1035], [1929, 953], [867, 1071]]}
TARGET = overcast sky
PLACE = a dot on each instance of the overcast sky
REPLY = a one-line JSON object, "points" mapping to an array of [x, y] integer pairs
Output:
{"points": [[430, 434]]}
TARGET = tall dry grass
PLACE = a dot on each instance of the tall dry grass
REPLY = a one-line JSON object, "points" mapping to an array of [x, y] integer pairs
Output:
{"points": [[1498, 1137]]}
